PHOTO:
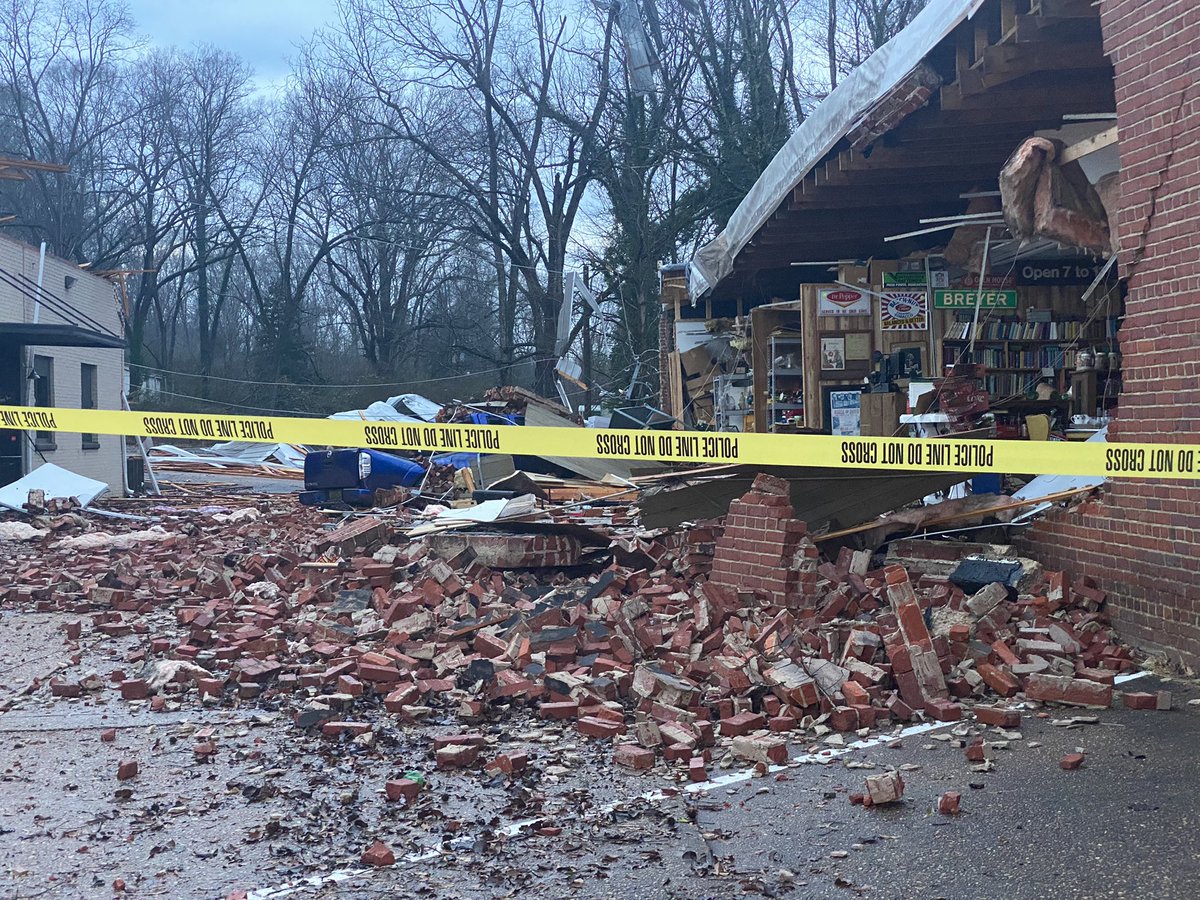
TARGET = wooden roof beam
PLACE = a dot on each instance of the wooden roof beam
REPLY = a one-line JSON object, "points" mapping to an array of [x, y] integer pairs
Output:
{"points": [[862, 197]]}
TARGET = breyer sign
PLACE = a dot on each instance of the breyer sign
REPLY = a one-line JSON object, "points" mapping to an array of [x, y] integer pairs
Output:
{"points": [[969, 299]]}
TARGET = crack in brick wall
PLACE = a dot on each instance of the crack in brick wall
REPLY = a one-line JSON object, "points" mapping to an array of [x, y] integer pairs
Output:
{"points": [[1141, 538]]}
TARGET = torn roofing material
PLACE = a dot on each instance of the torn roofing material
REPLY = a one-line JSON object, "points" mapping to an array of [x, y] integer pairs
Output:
{"points": [[831, 121], [401, 408], [1046, 486], [821, 497], [58, 484]]}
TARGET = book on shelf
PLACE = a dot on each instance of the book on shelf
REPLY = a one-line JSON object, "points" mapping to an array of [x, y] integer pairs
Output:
{"points": [[1010, 384], [1050, 356], [1002, 330]]}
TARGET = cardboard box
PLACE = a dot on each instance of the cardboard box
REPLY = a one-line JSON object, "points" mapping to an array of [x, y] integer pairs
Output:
{"points": [[858, 276]]}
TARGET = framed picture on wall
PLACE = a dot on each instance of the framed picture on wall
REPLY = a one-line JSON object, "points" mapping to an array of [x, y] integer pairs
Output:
{"points": [[909, 360], [833, 354], [844, 355]]}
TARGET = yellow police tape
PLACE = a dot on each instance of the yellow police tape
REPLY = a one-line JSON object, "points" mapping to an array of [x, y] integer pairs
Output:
{"points": [[1157, 461]]}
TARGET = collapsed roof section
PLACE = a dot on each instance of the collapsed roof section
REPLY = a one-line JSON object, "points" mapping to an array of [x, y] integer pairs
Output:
{"points": [[933, 114]]}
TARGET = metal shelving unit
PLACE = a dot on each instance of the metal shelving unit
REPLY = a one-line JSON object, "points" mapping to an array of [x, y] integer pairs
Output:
{"points": [[733, 394], [785, 379]]}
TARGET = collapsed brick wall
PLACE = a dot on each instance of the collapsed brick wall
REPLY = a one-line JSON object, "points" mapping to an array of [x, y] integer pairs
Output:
{"points": [[765, 547], [1141, 538]]}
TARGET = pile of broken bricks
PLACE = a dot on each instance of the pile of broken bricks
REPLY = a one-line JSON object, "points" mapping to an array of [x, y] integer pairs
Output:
{"points": [[714, 643]]}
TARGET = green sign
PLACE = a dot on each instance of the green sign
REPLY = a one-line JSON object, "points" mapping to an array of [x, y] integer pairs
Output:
{"points": [[903, 279], [969, 299]]}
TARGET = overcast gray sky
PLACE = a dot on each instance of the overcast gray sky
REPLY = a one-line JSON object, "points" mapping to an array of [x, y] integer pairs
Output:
{"points": [[263, 32]]}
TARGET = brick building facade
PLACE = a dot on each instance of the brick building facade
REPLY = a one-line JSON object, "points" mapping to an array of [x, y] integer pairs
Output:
{"points": [[1143, 538]]}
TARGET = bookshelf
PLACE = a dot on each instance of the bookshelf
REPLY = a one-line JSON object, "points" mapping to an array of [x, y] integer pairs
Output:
{"points": [[1017, 352]]}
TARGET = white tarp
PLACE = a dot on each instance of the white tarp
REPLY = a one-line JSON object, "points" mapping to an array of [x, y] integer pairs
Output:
{"points": [[57, 482], [832, 120], [492, 510], [421, 407], [376, 412], [401, 408]]}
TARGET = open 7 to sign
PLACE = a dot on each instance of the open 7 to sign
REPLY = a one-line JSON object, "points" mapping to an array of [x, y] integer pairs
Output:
{"points": [[969, 299]]}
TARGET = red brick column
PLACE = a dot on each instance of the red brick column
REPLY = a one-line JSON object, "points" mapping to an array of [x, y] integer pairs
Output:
{"points": [[765, 548]]}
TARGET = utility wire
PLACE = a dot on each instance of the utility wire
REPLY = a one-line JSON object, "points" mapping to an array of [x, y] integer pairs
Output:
{"points": [[227, 404], [339, 386]]}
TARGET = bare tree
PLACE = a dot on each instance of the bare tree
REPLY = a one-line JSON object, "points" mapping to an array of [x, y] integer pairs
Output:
{"points": [[851, 30], [747, 97], [212, 139], [61, 69], [154, 220], [404, 214], [509, 109]]}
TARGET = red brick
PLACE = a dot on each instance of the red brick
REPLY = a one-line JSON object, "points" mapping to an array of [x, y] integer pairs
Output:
{"points": [[1071, 761], [1071, 691], [633, 757], [598, 728], [1134, 700], [401, 697], [742, 723], [566, 709], [512, 763], [490, 647], [844, 718], [949, 803], [69, 689], [469, 738], [697, 770], [677, 752], [127, 769], [885, 788], [998, 716], [943, 710], [402, 789], [376, 674], [1100, 676], [1005, 654], [134, 689], [378, 855], [855, 694], [456, 756], [772, 751], [999, 680]]}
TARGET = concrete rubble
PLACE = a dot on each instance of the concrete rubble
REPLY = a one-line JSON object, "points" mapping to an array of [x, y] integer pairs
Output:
{"points": [[722, 644]]}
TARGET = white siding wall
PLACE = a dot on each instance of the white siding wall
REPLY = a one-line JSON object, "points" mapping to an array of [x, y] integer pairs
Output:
{"points": [[16, 257], [105, 463], [93, 297]]}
